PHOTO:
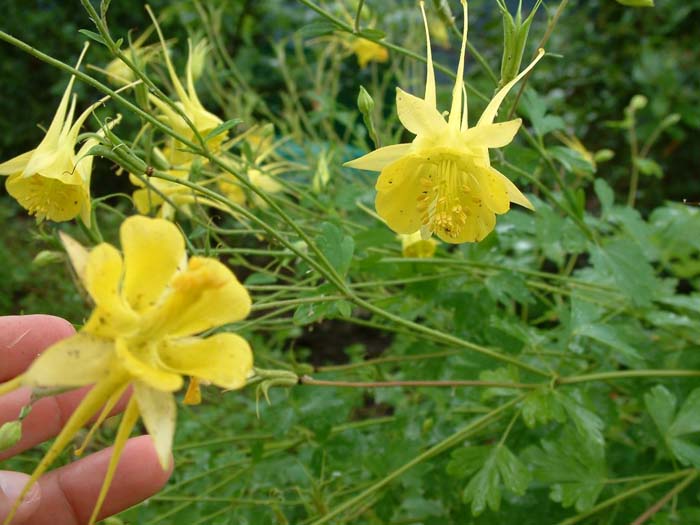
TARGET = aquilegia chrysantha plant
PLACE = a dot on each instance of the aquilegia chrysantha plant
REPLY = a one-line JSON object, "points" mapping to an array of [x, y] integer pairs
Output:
{"points": [[443, 183]]}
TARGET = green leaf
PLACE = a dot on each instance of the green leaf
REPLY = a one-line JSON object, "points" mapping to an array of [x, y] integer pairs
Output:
{"points": [[500, 466], [536, 109], [605, 195], [609, 336], [222, 128], [336, 246], [661, 405], [571, 159], [317, 28], [589, 425], [483, 488], [376, 34], [624, 260], [92, 36], [505, 375], [636, 3], [649, 167], [467, 460], [311, 312], [573, 465], [541, 406]]}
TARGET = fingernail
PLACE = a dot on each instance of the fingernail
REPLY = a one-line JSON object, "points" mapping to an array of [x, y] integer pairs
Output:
{"points": [[11, 486]]}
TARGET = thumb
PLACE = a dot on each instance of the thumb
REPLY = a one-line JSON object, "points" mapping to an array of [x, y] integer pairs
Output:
{"points": [[11, 486]]}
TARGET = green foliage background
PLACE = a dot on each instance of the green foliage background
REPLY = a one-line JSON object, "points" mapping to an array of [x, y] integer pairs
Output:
{"points": [[587, 288]]}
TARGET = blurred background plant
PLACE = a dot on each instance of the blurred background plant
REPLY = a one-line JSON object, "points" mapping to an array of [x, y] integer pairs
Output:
{"points": [[598, 288]]}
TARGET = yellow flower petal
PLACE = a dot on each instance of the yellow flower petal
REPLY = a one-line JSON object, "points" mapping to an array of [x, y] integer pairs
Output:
{"points": [[491, 190], [492, 135], [417, 115], [159, 412], [514, 194], [79, 360], [47, 198], [398, 190], [378, 159], [153, 250], [129, 420], [77, 253], [16, 164], [204, 296], [146, 199], [103, 274], [223, 359], [489, 113], [150, 373]]}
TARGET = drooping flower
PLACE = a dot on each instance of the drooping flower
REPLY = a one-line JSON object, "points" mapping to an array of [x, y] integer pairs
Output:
{"points": [[52, 181], [443, 181], [150, 304], [204, 121], [414, 246]]}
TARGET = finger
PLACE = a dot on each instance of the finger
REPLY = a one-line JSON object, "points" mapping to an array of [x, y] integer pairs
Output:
{"points": [[68, 494], [11, 485], [23, 337], [46, 418]]}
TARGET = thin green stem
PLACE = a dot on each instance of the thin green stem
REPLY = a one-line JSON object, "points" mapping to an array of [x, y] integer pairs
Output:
{"points": [[356, 27], [626, 494], [626, 374], [449, 383], [433, 451]]}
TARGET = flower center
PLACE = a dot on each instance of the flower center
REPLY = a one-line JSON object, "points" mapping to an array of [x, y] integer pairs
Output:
{"points": [[443, 199], [46, 197]]}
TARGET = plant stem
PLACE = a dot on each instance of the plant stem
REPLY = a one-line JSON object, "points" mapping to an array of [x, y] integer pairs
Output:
{"points": [[656, 507], [625, 374], [449, 383], [360, 4], [433, 451], [626, 494]]}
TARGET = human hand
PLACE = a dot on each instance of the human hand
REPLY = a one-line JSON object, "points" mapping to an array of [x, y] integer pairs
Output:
{"points": [[65, 496]]}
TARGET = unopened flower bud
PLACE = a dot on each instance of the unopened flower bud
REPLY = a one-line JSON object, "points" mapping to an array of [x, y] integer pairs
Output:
{"points": [[515, 31], [365, 102], [638, 102], [10, 434], [603, 155], [46, 258]]}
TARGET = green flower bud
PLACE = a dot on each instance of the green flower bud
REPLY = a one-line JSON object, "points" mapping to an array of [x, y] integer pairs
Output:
{"points": [[46, 258], [10, 434], [365, 102], [603, 155], [515, 32], [638, 102]]}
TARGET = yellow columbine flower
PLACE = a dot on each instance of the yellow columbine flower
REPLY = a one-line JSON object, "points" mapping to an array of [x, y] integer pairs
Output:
{"points": [[204, 121], [414, 246], [51, 181], [367, 51], [150, 303], [443, 182]]}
